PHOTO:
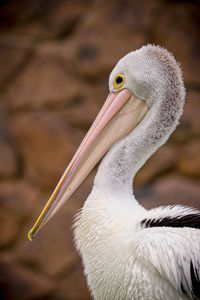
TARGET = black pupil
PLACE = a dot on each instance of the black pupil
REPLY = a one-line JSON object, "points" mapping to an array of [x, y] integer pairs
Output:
{"points": [[119, 79]]}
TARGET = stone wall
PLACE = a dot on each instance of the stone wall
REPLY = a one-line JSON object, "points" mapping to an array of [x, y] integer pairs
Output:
{"points": [[55, 58]]}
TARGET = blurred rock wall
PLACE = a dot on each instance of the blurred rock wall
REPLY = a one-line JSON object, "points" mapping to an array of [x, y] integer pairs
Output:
{"points": [[55, 58]]}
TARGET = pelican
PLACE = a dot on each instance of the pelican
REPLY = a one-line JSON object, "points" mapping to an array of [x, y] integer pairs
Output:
{"points": [[129, 252]]}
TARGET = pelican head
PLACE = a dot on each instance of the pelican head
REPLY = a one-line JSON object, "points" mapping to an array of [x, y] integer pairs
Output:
{"points": [[140, 81]]}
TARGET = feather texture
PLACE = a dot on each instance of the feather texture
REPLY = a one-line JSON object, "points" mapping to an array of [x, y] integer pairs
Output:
{"points": [[174, 253], [186, 217]]}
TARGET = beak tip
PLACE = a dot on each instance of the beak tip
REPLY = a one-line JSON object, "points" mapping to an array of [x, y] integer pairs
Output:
{"points": [[30, 235]]}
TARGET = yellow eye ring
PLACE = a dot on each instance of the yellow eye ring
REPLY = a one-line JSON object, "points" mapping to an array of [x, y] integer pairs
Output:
{"points": [[119, 81]]}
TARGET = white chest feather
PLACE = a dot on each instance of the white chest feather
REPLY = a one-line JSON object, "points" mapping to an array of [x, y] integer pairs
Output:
{"points": [[106, 235]]}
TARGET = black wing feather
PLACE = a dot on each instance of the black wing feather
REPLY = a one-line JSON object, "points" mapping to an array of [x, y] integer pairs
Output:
{"points": [[190, 220]]}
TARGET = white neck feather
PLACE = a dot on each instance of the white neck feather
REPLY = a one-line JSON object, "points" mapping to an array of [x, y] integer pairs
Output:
{"points": [[157, 79], [118, 168]]}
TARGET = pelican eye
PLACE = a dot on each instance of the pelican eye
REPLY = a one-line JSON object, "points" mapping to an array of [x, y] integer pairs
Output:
{"points": [[119, 81]]}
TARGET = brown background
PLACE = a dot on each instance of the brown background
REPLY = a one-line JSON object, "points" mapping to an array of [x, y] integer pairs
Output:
{"points": [[55, 58]]}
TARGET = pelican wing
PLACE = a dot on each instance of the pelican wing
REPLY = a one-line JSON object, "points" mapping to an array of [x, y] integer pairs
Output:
{"points": [[171, 245]]}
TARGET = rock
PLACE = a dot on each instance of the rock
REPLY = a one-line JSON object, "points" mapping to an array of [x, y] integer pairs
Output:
{"points": [[12, 58], [44, 80], [160, 163], [170, 190], [72, 287], [46, 143], [18, 198], [100, 42], [41, 20], [176, 24], [84, 109], [9, 229], [17, 201], [17, 282], [190, 119], [51, 252], [138, 15], [8, 162], [12, 13], [59, 19], [93, 58], [189, 159]]}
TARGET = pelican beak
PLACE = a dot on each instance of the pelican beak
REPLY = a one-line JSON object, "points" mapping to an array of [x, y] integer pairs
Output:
{"points": [[121, 112]]}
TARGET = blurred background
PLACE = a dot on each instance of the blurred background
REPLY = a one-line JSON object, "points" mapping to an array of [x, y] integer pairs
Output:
{"points": [[55, 59]]}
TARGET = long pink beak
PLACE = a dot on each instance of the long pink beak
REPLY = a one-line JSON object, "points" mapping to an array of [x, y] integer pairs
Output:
{"points": [[119, 109]]}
